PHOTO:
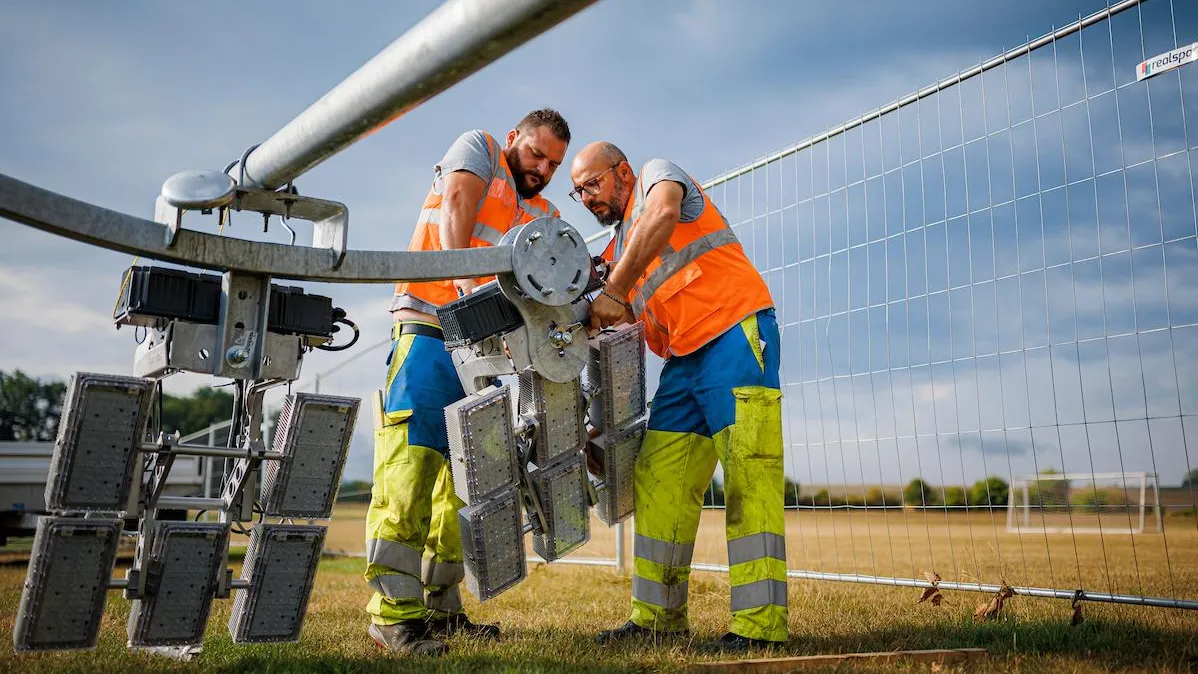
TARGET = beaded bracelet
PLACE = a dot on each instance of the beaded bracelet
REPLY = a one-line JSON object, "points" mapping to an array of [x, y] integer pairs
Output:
{"points": [[619, 300]]}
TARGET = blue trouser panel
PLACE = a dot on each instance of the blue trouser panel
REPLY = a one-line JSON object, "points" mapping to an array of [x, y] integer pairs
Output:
{"points": [[722, 403], [413, 545]]}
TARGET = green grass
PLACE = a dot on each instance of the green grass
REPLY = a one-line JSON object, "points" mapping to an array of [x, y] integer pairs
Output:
{"points": [[549, 620]]}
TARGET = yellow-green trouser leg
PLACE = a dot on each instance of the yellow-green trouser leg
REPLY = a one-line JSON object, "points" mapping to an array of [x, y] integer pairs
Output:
{"points": [[750, 451], [443, 570], [412, 509], [672, 472]]}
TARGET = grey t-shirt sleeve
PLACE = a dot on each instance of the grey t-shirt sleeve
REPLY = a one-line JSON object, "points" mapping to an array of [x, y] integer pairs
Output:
{"points": [[657, 170], [469, 152]]}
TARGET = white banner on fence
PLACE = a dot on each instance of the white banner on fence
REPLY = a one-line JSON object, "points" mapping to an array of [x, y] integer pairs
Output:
{"points": [[1167, 61]]}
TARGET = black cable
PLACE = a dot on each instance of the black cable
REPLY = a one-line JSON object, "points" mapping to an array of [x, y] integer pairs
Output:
{"points": [[339, 317]]}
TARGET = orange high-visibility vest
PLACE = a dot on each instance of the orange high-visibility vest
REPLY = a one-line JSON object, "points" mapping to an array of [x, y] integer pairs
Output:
{"points": [[700, 285], [500, 209]]}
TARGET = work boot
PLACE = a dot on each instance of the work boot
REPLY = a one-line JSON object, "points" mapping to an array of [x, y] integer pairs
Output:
{"points": [[631, 630], [735, 643], [458, 623], [408, 636]]}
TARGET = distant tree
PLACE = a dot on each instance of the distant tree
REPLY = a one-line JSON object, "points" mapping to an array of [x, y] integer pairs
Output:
{"points": [[919, 493], [196, 412], [29, 408], [1049, 493], [992, 491], [1191, 479], [790, 494], [954, 497], [355, 491]]}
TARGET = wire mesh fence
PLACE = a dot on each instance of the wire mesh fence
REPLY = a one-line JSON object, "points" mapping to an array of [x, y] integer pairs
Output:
{"points": [[989, 322]]}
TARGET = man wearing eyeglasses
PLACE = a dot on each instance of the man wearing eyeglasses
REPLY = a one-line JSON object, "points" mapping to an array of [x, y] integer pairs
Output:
{"points": [[678, 267], [480, 191]]}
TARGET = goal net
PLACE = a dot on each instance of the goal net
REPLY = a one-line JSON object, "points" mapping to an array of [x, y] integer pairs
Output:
{"points": [[1085, 503]]}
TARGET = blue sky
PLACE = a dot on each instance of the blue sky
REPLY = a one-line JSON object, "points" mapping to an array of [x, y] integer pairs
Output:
{"points": [[105, 101]]}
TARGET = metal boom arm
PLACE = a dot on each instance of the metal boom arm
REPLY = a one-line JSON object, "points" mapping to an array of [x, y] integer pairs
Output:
{"points": [[450, 44], [81, 221]]}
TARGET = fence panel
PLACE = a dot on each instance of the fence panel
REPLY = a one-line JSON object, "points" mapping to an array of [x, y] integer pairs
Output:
{"points": [[990, 326]]}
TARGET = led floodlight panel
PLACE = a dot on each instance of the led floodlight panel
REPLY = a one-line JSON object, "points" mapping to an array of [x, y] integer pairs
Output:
{"points": [[96, 452], [280, 566], [562, 494], [617, 371], [182, 571], [560, 411], [493, 544], [482, 447], [616, 454], [314, 435], [66, 584]]}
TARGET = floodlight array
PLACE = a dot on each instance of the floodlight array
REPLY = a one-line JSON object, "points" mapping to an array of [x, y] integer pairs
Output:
{"points": [[493, 544], [616, 453], [561, 493], [482, 445], [280, 566], [99, 436], [559, 411], [182, 571], [66, 583], [617, 377], [314, 435], [616, 371]]}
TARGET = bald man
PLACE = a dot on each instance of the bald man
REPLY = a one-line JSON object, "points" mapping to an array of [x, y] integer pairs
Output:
{"points": [[678, 267]]}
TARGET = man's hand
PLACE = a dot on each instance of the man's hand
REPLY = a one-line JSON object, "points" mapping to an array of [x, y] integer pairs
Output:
{"points": [[465, 286], [606, 311]]}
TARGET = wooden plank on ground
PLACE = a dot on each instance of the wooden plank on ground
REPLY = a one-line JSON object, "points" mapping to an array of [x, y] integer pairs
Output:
{"points": [[794, 664]]}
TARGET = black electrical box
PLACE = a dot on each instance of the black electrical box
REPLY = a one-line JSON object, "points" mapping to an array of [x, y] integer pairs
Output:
{"points": [[152, 295], [294, 312], [477, 316]]}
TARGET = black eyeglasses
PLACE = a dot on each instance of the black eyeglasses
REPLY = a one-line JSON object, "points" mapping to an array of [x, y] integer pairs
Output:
{"points": [[591, 186]]}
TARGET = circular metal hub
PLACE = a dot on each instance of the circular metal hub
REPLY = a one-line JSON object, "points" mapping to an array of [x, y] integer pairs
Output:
{"points": [[550, 261], [197, 190]]}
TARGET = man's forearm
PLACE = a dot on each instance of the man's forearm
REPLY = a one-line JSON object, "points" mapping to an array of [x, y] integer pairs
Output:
{"points": [[652, 235]]}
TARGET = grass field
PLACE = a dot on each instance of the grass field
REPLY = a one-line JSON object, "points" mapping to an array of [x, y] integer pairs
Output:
{"points": [[549, 619]]}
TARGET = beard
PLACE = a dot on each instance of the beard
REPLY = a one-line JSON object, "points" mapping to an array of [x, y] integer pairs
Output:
{"points": [[615, 209], [528, 183]]}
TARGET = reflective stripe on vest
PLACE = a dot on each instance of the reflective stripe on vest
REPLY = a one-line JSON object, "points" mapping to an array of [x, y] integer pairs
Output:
{"points": [[672, 262]]}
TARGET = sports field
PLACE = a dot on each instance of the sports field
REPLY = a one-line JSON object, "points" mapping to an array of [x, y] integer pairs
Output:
{"points": [[549, 620]]}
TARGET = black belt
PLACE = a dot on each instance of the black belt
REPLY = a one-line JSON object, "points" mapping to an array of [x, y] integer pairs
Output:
{"points": [[424, 329]]}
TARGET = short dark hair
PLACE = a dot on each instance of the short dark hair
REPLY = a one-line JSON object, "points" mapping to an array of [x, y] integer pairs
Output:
{"points": [[547, 117]]}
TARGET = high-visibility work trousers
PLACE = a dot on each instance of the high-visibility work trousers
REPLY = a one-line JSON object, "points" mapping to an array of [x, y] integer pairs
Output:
{"points": [[722, 403], [413, 545]]}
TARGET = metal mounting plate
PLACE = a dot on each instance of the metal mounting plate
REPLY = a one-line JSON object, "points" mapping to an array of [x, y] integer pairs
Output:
{"points": [[550, 261]]}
